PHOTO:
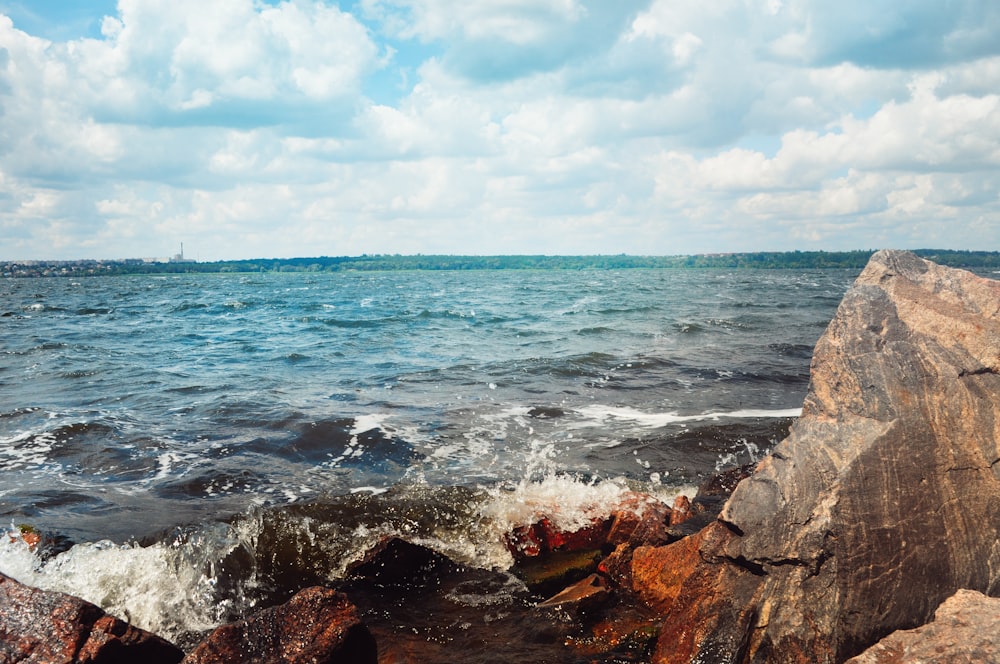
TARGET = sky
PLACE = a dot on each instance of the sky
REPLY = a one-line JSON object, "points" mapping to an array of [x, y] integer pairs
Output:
{"points": [[252, 129]]}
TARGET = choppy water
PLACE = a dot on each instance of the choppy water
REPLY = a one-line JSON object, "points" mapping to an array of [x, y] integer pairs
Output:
{"points": [[208, 433]]}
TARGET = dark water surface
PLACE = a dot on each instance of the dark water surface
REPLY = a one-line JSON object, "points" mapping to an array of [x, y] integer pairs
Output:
{"points": [[201, 432]]}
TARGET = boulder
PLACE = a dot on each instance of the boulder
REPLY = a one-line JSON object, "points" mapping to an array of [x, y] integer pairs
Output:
{"points": [[316, 626], [43, 627], [965, 630], [880, 503]]}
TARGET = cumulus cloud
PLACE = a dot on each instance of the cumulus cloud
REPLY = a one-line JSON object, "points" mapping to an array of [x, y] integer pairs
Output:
{"points": [[251, 128]]}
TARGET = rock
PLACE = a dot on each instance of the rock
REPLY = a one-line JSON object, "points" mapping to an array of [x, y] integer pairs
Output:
{"points": [[582, 595], [316, 626], [681, 510], [396, 562], [546, 412], [965, 630], [42, 627], [640, 520], [548, 574], [725, 482], [617, 566], [881, 502], [543, 537]]}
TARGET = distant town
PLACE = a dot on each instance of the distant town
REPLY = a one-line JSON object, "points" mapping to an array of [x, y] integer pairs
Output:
{"points": [[178, 264]]}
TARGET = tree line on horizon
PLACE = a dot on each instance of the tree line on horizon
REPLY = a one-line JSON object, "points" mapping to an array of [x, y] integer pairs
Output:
{"points": [[385, 262]]}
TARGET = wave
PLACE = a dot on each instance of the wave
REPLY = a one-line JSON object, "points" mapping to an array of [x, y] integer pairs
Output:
{"points": [[186, 580], [604, 414]]}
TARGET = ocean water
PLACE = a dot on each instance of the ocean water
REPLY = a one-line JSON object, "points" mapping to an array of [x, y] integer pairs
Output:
{"points": [[193, 445]]}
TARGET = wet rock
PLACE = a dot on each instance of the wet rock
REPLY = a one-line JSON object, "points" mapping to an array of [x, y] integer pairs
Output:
{"points": [[42, 627], [724, 483], [624, 637], [317, 626], [580, 596], [396, 562], [617, 566], [881, 502], [681, 510], [546, 412], [640, 520], [548, 574], [544, 537], [965, 630]]}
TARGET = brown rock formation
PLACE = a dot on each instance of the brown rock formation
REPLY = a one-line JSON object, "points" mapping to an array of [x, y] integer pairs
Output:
{"points": [[41, 627], [966, 630], [883, 499], [316, 626]]}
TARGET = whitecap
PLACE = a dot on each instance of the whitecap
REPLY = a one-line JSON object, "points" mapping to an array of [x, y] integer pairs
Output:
{"points": [[604, 414]]}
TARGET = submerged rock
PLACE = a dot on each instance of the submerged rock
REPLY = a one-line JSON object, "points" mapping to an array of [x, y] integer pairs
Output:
{"points": [[43, 627], [965, 630], [316, 626], [881, 502], [396, 562]]}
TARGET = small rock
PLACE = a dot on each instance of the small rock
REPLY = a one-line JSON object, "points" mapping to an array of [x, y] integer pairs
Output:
{"points": [[543, 537], [546, 412], [316, 626], [617, 566], [681, 511], [581, 596], [641, 520]]}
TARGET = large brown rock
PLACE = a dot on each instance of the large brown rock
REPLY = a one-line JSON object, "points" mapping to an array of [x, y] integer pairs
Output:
{"points": [[43, 627], [966, 630], [882, 501], [316, 626]]}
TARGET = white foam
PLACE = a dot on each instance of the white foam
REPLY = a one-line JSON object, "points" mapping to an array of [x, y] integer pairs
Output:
{"points": [[27, 450], [166, 589], [364, 423], [602, 413], [568, 503]]}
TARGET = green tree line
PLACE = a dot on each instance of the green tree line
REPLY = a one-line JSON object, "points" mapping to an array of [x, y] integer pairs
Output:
{"points": [[382, 262]]}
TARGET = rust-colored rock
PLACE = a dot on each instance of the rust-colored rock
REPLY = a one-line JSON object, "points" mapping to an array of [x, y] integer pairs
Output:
{"points": [[316, 626], [42, 627], [965, 630], [882, 501], [543, 537], [640, 520], [681, 510], [617, 566]]}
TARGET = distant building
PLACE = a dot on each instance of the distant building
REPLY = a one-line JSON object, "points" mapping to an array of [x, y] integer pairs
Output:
{"points": [[179, 258]]}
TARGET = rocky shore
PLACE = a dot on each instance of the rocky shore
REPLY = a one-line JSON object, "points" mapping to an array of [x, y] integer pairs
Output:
{"points": [[869, 535]]}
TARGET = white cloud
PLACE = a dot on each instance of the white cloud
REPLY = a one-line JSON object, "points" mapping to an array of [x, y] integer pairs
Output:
{"points": [[514, 21], [559, 126]]}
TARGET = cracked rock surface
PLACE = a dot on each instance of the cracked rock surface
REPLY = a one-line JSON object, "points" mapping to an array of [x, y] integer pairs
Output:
{"points": [[882, 501]]}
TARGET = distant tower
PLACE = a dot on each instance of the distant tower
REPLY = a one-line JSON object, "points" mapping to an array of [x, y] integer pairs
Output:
{"points": [[179, 258]]}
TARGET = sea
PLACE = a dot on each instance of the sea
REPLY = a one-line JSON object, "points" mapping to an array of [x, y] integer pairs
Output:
{"points": [[191, 446]]}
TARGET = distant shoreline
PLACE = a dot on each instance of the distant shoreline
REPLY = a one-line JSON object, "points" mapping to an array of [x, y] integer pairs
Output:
{"points": [[384, 262]]}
